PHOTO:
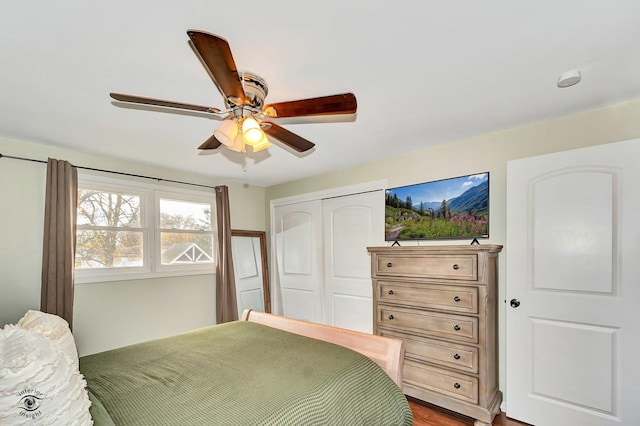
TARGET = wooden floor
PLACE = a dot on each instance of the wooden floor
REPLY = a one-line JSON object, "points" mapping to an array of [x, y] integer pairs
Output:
{"points": [[425, 414]]}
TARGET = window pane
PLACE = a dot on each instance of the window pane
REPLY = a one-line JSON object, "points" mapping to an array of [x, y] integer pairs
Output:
{"points": [[185, 215], [186, 248], [108, 249], [101, 208]]}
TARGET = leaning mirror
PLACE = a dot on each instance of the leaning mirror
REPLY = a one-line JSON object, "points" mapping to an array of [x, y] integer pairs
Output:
{"points": [[249, 250]]}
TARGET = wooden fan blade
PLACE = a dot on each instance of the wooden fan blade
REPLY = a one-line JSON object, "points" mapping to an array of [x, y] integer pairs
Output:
{"points": [[216, 54], [296, 142], [159, 102], [211, 143], [326, 105]]}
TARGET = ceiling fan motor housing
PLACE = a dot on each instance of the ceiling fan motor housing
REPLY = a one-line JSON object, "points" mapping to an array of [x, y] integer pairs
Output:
{"points": [[255, 88]]}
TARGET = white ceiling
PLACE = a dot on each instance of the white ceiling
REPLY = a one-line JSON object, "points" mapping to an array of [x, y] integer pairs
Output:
{"points": [[424, 72]]}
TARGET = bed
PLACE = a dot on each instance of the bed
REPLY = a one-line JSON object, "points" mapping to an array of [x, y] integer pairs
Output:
{"points": [[261, 370]]}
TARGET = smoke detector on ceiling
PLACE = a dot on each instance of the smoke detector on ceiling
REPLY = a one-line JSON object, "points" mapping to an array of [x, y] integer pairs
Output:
{"points": [[569, 78]]}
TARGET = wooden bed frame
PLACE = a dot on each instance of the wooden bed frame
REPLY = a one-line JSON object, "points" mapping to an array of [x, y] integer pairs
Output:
{"points": [[388, 353]]}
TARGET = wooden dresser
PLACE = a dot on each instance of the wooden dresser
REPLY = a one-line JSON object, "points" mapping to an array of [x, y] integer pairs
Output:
{"points": [[442, 301]]}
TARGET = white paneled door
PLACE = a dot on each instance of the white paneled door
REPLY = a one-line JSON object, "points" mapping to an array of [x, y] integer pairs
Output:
{"points": [[323, 267], [298, 234], [350, 225], [573, 287]]}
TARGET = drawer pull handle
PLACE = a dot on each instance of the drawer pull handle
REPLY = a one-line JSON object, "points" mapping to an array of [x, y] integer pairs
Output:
{"points": [[456, 385], [456, 299], [389, 264], [456, 266], [456, 327], [390, 292], [456, 356], [390, 317]]}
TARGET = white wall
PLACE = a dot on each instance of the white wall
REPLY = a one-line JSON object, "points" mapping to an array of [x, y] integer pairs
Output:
{"points": [[108, 314], [479, 154]]}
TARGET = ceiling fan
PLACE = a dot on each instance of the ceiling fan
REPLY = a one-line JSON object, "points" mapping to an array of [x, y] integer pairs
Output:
{"points": [[247, 119]]}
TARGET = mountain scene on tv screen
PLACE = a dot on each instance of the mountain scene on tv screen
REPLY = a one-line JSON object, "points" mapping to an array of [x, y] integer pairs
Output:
{"points": [[451, 208]]}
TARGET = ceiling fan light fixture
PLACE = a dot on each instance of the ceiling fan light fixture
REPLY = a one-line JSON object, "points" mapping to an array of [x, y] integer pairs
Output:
{"points": [[227, 132], [238, 144], [263, 144], [251, 131]]}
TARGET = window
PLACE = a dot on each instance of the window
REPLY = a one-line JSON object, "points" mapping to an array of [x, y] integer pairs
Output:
{"points": [[129, 230], [110, 229], [184, 231]]}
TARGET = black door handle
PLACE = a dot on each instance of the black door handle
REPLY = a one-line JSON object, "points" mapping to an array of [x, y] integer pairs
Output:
{"points": [[514, 303]]}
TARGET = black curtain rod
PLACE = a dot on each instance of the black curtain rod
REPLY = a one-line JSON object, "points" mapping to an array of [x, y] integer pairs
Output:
{"points": [[112, 172]]}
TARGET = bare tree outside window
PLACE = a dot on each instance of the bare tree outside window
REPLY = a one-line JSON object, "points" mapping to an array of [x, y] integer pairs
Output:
{"points": [[110, 230]]}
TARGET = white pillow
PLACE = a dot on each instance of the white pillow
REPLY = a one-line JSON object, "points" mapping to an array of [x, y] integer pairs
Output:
{"points": [[38, 384], [55, 328]]}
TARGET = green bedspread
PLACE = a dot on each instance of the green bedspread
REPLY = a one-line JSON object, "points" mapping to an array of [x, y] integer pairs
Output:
{"points": [[242, 373]]}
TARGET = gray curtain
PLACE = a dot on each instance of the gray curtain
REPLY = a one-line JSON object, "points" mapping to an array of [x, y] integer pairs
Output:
{"points": [[59, 239], [226, 304]]}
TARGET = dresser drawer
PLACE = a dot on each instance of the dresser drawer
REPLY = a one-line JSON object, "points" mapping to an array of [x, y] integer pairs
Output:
{"points": [[456, 327], [434, 296], [451, 267], [464, 358], [456, 385]]}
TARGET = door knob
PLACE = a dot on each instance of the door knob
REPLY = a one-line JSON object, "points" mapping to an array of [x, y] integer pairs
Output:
{"points": [[514, 303]]}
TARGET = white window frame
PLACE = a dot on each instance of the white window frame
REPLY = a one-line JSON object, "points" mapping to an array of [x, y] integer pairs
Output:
{"points": [[150, 194], [188, 196]]}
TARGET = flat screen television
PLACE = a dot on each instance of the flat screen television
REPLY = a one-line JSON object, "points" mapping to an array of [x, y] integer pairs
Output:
{"points": [[454, 208]]}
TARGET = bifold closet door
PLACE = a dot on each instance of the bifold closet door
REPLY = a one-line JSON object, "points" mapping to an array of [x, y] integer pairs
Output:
{"points": [[323, 267]]}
